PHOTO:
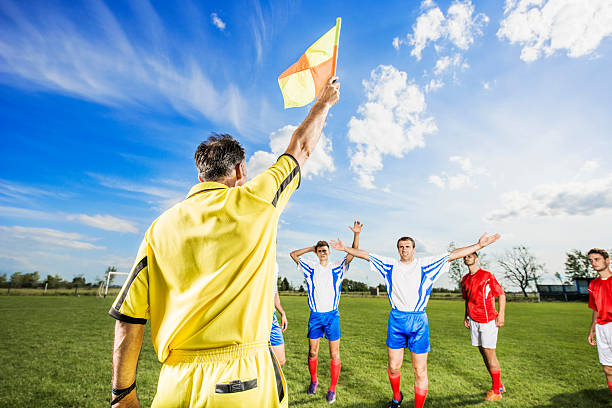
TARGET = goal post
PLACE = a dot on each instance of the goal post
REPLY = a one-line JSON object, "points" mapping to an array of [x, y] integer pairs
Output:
{"points": [[108, 278]]}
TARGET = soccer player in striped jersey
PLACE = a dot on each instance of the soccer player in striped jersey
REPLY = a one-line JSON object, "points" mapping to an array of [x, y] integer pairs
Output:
{"points": [[479, 289], [324, 281], [409, 281], [600, 300]]}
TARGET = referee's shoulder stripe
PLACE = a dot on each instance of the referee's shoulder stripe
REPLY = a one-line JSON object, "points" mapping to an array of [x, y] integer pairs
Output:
{"points": [[288, 179], [139, 267]]}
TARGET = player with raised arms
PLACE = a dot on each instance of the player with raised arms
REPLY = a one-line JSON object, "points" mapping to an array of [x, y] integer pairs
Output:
{"points": [[600, 300], [203, 278], [479, 289], [324, 281], [409, 281]]}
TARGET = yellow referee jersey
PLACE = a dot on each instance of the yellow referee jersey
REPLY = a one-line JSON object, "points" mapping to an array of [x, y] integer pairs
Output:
{"points": [[205, 267]]}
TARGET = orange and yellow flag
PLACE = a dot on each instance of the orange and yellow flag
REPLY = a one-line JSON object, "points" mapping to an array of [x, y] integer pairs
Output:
{"points": [[303, 81]]}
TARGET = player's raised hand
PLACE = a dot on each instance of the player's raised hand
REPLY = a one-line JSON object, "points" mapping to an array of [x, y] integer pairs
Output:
{"points": [[484, 240], [337, 245], [356, 228], [591, 338], [331, 93]]}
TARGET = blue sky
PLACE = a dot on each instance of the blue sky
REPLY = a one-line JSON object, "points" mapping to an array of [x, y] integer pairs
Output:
{"points": [[455, 118]]}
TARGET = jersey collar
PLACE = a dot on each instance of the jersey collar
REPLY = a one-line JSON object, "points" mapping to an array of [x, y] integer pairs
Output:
{"points": [[205, 186]]}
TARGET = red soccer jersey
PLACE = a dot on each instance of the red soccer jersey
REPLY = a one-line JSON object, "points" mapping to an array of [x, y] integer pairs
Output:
{"points": [[600, 299], [480, 290]]}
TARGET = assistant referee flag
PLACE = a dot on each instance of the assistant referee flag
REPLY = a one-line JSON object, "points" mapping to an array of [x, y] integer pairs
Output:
{"points": [[303, 80]]}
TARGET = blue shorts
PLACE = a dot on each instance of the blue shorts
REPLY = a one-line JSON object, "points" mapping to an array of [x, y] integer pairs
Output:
{"points": [[276, 335], [408, 329], [324, 323]]}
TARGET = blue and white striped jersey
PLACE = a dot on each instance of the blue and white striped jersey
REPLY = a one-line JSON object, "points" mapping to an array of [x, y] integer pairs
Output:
{"points": [[324, 283], [409, 285]]}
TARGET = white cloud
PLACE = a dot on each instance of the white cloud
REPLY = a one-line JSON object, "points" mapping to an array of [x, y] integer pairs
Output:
{"points": [[49, 237], [217, 22], [319, 162], [544, 27], [460, 27], [572, 198], [460, 179], [433, 85], [392, 122], [105, 222], [589, 166], [97, 61], [447, 63]]}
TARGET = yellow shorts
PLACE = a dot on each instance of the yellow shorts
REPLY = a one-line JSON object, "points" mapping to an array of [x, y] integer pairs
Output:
{"points": [[247, 375]]}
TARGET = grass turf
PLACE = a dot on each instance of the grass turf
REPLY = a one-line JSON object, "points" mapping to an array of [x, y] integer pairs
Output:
{"points": [[56, 352]]}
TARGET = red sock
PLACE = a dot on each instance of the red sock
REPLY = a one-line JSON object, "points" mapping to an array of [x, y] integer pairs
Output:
{"points": [[335, 373], [312, 366], [395, 379], [496, 377], [419, 397], [610, 386]]}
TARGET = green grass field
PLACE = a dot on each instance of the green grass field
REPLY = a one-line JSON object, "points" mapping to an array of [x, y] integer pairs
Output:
{"points": [[56, 352]]}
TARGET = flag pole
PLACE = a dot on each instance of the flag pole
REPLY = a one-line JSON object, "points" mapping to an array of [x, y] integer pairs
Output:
{"points": [[338, 24]]}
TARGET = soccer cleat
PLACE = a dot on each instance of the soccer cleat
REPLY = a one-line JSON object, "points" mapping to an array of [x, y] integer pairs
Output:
{"points": [[502, 389], [492, 396], [331, 396], [312, 388], [396, 404]]}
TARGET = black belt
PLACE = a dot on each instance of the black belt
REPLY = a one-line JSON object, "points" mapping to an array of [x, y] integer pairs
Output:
{"points": [[236, 386]]}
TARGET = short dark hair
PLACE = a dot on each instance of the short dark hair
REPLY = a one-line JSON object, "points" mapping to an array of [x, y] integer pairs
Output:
{"points": [[406, 239], [321, 244], [475, 254], [217, 156], [599, 251]]}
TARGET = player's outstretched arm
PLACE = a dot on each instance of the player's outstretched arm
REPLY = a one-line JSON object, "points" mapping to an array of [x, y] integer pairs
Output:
{"points": [[356, 228], [126, 349], [295, 255], [482, 242], [591, 338], [500, 320], [359, 253], [306, 136]]}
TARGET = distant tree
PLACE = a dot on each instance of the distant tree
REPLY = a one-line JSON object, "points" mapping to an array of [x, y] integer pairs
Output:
{"points": [[521, 267], [354, 286], [382, 288], [30, 280], [112, 277], [285, 285], [577, 265], [301, 289], [16, 279], [55, 282], [3, 280], [78, 281]]}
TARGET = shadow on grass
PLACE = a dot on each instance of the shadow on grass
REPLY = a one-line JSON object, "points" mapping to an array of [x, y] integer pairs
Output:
{"points": [[598, 397]]}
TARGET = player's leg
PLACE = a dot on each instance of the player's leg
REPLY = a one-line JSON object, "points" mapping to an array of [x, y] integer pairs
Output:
{"points": [[608, 371], [394, 369], [332, 333], [488, 341], [421, 381], [277, 341], [396, 342], [313, 355]]}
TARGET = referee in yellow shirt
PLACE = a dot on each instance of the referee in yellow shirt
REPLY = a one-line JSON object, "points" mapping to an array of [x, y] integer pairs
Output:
{"points": [[203, 275]]}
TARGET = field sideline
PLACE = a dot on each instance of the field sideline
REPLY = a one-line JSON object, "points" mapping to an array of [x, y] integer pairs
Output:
{"points": [[57, 353]]}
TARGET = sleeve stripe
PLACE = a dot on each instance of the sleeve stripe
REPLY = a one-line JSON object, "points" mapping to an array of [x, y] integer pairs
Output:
{"points": [[436, 264], [141, 265], [288, 180], [124, 318], [306, 268]]}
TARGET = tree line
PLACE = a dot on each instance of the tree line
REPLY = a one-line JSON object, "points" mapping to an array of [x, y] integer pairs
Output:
{"points": [[33, 280]]}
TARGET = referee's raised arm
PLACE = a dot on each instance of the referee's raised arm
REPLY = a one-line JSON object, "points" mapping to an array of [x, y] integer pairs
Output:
{"points": [[306, 136]]}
